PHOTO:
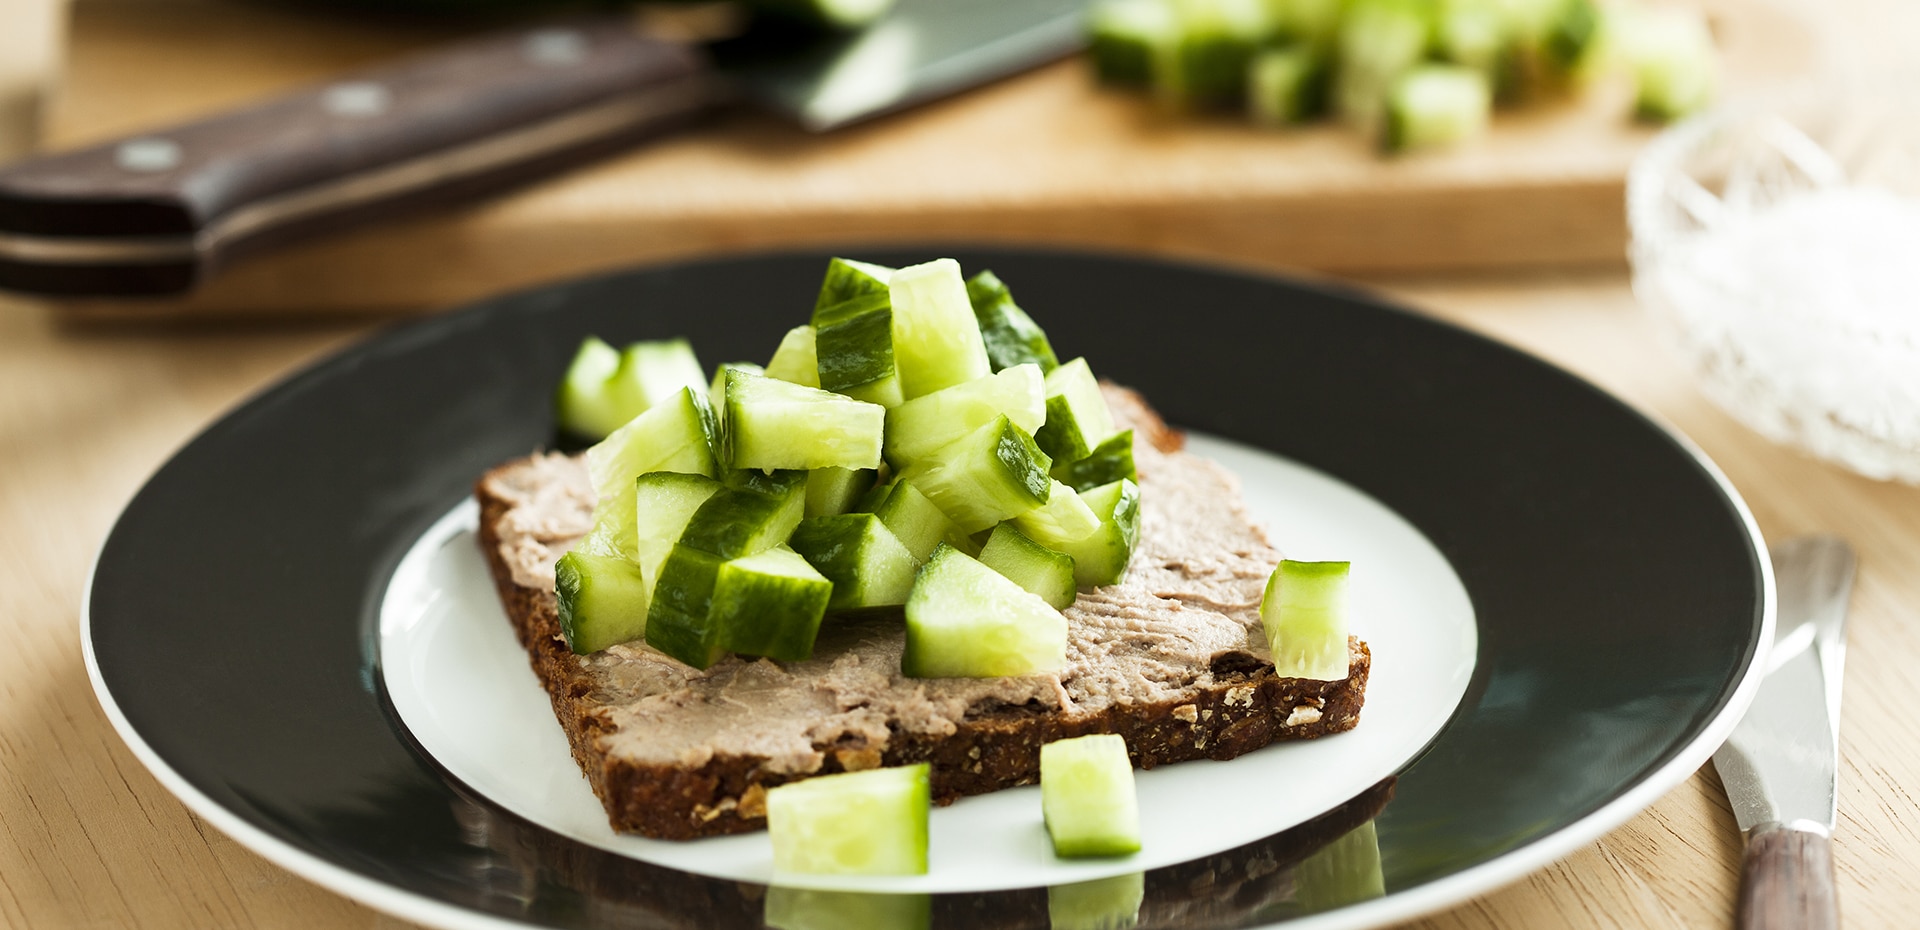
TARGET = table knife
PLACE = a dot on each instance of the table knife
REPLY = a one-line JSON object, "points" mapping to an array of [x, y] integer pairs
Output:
{"points": [[155, 214], [1781, 764]]}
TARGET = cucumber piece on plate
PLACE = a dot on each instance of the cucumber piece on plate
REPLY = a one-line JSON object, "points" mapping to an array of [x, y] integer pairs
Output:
{"points": [[847, 279], [917, 521], [582, 406], [1111, 903], [1124, 34], [965, 620], [936, 340], [769, 604], [994, 473], [1285, 86], [1063, 518], [795, 360], [679, 618], [853, 348], [835, 490], [1438, 105], [1109, 461], [790, 908], [651, 373], [664, 503], [1032, 566], [1077, 416], [1304, 613], [603, 600], [752, 512], [1087, 796], [677, 436], [1101, 557], [868, 565], [775, 424], [854, 823], [1011, 337], [924, 424]]}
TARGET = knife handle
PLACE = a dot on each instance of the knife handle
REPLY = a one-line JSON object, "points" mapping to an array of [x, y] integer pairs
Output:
{"points": [[1786, 881], [158, 212]]}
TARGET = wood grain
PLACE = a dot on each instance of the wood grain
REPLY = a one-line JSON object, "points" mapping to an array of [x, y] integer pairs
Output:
{"points": [[1786, 882]]}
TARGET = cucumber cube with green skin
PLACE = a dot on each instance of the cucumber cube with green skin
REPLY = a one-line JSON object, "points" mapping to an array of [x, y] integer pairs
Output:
{"points": [[603, 600], [868, 565], [1314, 24], [769, 604], [676, 436], [1379, 41], [993, 473], [1111, 903], [1285, 86], [1011, 337], [1109, 461], [926, 423], [1101, 558], [936, 340], [679, 621], [853, 349], [775, 424], [1123, 36], [1087, 796], [1438, 105], [965, 620], [582, 405], [847, 279], [664, 503], [853, 823], [1304, 613], [1670, 54], [752, 512], [1063, 518], [835, 490], [790, 908], [1032, 566], [651, 373], [1077, 416], [795, 360], [1203, 62], [917, 521]]}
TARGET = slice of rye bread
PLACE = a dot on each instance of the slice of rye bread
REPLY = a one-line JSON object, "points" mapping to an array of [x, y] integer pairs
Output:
{"points": [[1172, 658]]}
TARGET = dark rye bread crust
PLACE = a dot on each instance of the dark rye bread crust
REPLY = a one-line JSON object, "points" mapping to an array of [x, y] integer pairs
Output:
{"points": [[1247, 707]]}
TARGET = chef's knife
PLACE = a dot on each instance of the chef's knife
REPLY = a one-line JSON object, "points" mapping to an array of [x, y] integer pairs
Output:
{"points": [[1781, 763], [159, 212]]}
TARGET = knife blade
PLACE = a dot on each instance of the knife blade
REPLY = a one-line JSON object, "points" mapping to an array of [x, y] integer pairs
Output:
{"points": [[1780, 765], [157, 213]]}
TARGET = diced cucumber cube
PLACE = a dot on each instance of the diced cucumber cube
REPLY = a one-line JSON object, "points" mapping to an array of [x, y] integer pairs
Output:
{"points": [[924, 424], [917, 521], [1032, 566], [1479, 35], [835, 490], [651, 373], [853, 348], [1438, 105], [603, 600], [1111, 903], [583, 406], [1670, 53], [1087, 796], [1109, 461], [936, 340], [795, 361], [1063, 518], [1123, 36], [1379, 41], [1077, 414], [854, 823], [679, 619], [1204, 61], [965, 620], [790, 908], [774, 424], [1314, 24], [1285, 86], [1345, 871], [1304, 612], [1011, 337], [664, 503], [846, 279], [755, 511], [1573, 38], [752, 513], [769, 604], [1101, 558], [677, 436], [868, 565], [717, 390], [993, 473]]}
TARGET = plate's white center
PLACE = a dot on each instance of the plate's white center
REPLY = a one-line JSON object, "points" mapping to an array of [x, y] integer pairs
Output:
{"points": [[462, 684]]}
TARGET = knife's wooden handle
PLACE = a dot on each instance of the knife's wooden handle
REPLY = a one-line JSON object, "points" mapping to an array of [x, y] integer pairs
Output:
{"points": [[1786, 882], [177, 201]]}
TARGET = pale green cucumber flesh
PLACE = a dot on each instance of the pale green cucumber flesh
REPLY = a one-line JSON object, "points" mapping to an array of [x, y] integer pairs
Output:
{"points": [[1011, 337], [1077, 416], [1087, 796], [917, 521], [774, 424], [795, 361], [836, 490], [603, 601], [1109, 461], [769, 604], [1042, 571], [1436, 105], [1111, 903], [717, 390], [868, 565], [582, 405], [652, 372], [677, 436], [936, 340], [994, 473], [664, 502], [679, 621], [1304, 613], [1101, 558], [1285, 86], [965, 620], [854, 823], [923, 425], [1064, 518], [790, 908]]}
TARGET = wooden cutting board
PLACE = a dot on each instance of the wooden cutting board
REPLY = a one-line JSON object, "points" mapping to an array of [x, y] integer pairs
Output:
{"points": [[1045, 158]]}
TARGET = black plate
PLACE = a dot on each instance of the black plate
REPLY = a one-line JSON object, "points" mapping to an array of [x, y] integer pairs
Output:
{"points": [[1620, 587]]}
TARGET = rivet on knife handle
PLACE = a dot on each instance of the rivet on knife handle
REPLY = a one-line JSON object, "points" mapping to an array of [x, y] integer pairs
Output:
{"points": [[153, 214], [1786, 882]]}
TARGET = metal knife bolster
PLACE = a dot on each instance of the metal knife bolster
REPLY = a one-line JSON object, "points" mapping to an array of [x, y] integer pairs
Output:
{"points": [[153, 214]]}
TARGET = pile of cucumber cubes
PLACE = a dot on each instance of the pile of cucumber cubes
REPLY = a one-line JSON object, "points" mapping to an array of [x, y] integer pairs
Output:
{"points": [[917, 444], [1418, 73]]}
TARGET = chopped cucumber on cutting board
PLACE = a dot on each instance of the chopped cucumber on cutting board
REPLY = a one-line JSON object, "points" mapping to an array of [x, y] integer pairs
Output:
{"points": [[1304, 612], [854, 823], [1087, 796]]}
